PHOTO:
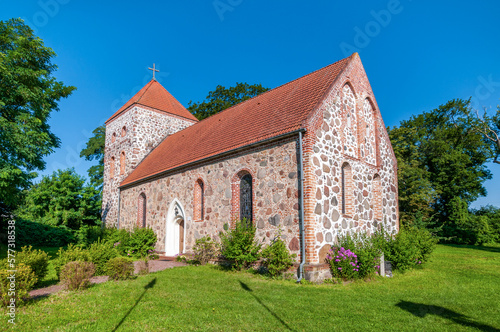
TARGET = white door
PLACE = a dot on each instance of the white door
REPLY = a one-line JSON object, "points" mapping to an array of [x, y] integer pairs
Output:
{"points": [[175, 229]]}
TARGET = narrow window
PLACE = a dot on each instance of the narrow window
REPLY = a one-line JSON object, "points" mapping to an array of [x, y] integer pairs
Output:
{"points": [[112, 167], [113, 138], [122, 163], [141, 211], [124, 131], [377, 197], [246, 198], [199, 201], [346, 184]]}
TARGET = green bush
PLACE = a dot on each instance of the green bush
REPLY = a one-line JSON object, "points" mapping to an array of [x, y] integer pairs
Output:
{"points": [[493, 216], [76, 275], [204, 250], [119, 237], [142, 241], [24, 282], [86, 235], [277, 258], [100, 253], [37, 234], [71, 254], [119, 268], [239, 246], [37, 260], [410, 247], [367, 250]]}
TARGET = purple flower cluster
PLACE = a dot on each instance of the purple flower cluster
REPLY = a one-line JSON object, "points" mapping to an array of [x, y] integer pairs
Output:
{"points": [[344, 263]]}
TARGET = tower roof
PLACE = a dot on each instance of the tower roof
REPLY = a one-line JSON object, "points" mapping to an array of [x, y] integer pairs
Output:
{"points": [[154, 95], [276, 112]]}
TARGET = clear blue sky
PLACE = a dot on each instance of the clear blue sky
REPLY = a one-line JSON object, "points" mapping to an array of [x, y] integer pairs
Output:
{"points": [[417, 54]]}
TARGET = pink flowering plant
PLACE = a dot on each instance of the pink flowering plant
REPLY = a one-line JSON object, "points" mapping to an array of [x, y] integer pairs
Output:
{"points": [[343, 263]]}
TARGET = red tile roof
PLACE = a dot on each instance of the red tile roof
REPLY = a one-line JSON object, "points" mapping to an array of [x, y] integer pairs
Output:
{"points": [[154, 95], [275, 112]]}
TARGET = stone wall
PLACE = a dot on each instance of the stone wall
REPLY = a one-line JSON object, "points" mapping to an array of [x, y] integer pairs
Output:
{"points": [[275, 195], [144, 128], [348, 130]]}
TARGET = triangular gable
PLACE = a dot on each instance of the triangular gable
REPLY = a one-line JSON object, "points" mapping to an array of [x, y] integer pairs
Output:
{"points": [[154, 95]]}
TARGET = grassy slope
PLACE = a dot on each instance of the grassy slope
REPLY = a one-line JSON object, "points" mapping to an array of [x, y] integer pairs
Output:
{"points": [[458, 290]]}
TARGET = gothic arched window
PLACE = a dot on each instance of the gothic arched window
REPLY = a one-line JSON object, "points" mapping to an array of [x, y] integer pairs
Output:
{"points": [[124, 131], [246, 197]]}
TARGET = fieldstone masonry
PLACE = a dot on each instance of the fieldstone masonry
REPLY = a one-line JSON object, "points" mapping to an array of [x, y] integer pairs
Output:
{"points": [[347, 160], [275, 196]]}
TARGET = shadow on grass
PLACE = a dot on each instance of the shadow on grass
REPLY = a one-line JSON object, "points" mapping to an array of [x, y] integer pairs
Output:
{"points": [[421, 310], [484, 248], [148, 286], [249, 290]]}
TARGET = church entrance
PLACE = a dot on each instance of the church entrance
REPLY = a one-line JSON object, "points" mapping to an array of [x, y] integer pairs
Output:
{"points": [[175, 230]]}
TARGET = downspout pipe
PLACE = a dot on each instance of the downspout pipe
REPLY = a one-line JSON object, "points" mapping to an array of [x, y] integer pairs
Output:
{"points": [[118, 214], [301, 215]]}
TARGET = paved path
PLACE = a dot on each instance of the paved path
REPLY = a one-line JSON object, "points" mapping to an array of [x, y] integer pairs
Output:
{"points": [[154, 266]]}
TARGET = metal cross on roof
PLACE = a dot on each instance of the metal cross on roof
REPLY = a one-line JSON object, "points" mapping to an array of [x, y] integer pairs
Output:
{"points": [[154, 69]]}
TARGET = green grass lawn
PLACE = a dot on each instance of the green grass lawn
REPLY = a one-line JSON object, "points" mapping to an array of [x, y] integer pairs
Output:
{"points": [[458, 290]]}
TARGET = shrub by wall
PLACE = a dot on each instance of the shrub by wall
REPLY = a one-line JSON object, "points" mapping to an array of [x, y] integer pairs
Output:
{"points": [[239, 246]]}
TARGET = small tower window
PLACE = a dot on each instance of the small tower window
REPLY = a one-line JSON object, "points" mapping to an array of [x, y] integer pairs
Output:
{"points": [[113, 138], [112, 167], [124, 131]]}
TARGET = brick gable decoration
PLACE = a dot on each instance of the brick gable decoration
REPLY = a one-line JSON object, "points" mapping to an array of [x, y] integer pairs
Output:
{"points": [[186, 179]]}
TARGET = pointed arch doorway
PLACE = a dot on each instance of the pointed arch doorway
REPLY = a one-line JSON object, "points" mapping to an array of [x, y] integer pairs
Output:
{"points": [[175, 229]]}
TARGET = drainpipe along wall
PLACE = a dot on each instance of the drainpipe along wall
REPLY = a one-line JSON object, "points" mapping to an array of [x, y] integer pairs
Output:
{"points": [[301, 215]]}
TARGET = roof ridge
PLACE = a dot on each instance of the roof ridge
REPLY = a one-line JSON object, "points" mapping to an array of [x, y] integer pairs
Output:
{"points": [[147, 88], [279, 86], [282, 85]]}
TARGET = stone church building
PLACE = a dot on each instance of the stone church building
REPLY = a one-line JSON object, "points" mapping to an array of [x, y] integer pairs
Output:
{"points": [[318, 142]]}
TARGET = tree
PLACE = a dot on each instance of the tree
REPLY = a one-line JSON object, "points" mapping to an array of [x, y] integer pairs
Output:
{"points": [[95, 151], [489, 127], [62, 199], [28, 94], [222, 98], [441, 157]]}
